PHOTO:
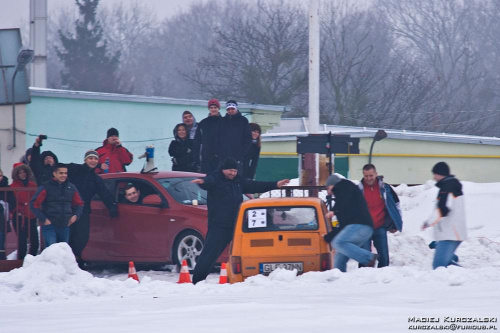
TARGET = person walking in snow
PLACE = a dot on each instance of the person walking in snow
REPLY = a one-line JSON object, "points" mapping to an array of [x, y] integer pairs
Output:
{"points": [[204, 146], [448, 217], [113, 157], [383, 205], [225, 189], [355, 224]]}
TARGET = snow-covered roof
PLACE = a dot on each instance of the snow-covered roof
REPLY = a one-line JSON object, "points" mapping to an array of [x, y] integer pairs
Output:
{"points": [[44, 92], [290, 128]]}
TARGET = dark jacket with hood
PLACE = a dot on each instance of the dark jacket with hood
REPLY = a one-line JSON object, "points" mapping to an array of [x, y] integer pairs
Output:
{"points": [[57, 202], [233, 137], [6, 197], [42, 171], [181, 151], [350, 207], [205, 140], [224, 196], [89, 184], [251, 160], [23, 198]]}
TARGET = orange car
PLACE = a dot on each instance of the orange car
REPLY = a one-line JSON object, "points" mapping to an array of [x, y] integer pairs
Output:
{"points": [[279, 233]]}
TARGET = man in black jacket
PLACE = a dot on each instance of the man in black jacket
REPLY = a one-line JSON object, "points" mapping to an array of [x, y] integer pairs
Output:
{"points": [[204, 147], [89, 184], [355, 224], [57, 205], [41, 164], [225, 190], [233, 135]]}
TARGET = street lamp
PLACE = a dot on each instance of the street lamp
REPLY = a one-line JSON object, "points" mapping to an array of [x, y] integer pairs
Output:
{"points": [[24, 57], [379, 136]]}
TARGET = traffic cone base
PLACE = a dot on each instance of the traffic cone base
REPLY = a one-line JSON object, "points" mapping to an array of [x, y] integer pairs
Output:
{"points": [[184, 276], [132, 273], [223, 274]]}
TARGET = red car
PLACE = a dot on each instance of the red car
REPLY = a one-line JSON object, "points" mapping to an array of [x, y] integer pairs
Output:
{"points": [[168, 226]]}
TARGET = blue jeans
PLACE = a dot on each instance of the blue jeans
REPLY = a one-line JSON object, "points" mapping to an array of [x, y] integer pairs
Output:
{"points": [[53, 234], [444, 255], [379, 239], [348, 245]]}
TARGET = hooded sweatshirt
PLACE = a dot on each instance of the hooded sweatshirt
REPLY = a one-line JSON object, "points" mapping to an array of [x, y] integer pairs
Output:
{"points": [[42, 171], [181, 151]]}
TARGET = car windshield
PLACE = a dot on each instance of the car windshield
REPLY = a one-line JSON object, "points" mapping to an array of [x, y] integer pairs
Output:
{"points": [[280, 218], [183, 191]]}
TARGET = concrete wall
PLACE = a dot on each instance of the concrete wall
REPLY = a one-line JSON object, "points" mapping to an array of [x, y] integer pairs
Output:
{"points": [[10, 156], [467, 161]]}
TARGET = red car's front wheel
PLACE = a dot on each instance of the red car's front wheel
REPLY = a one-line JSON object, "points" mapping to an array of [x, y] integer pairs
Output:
{"points": [[188, 246]]}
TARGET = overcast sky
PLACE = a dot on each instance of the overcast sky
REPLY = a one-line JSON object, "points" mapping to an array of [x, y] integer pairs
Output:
{"points": [[15, 13]]}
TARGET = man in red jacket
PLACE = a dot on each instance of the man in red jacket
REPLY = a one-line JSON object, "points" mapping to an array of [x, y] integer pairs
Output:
{"points": [[113, 157]]}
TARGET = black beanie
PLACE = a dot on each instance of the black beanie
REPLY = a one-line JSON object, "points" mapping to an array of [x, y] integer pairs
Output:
{"points": [[112, 131], [442, 169], [229, 163]]}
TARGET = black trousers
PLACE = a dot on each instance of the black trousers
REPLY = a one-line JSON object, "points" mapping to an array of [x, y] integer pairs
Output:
{"points": [[216, 242], [79, 233], [25, 231]]}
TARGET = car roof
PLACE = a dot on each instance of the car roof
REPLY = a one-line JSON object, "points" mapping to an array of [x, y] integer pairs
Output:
{"points": [[269, 202], [160, 174]]}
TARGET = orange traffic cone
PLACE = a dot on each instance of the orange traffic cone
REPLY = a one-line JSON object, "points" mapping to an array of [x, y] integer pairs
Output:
{"points": [[223, 274], [184, 277], [132, 272]]}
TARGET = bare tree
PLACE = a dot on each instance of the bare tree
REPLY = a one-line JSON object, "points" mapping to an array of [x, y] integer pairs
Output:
{"points": [[259, 55]]}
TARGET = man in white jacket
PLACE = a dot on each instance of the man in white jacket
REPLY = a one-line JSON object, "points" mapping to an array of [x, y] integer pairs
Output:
{"points": [[448, 218]]}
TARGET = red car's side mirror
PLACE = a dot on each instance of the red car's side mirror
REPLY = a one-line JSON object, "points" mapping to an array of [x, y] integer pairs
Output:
{"points": [[152, 199]]}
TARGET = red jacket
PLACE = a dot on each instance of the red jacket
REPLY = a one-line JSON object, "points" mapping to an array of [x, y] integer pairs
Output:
{"points": [[119, 157], [23, 199]]}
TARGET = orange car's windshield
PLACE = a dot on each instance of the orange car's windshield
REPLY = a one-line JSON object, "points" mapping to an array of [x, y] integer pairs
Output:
{"points": [[280, 219]]}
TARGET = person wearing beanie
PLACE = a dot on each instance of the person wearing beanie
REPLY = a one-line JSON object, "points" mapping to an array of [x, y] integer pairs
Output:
{"points": [[41, 163], [189, 120], [23, 219], [204, 145], [383, 204], [355, 224], [88, 183], [181, 150], [252, 156], [448, 217], [113, 157], [225, 190], [233, 135]]}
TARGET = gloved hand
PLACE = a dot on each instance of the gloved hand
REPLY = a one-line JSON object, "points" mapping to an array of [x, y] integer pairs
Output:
{"points": [[330, 236], [113, 211]]}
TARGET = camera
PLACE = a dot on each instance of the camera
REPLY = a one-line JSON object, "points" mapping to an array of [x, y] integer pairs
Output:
{"points": [[42, 137]]}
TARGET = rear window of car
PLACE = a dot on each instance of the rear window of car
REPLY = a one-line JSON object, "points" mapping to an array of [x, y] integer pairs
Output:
{"points": [[282, 218], [183, 191]]}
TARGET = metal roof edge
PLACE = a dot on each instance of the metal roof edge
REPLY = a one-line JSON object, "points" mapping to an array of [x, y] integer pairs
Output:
{"points": [[45, 92]]}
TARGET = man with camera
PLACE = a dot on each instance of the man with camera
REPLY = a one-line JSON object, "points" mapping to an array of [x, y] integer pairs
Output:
{"points": [[41, 163]]}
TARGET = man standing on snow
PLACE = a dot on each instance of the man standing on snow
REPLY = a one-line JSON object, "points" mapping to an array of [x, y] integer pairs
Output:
{"points": [[448, 218], [225, 190], [383, 204], [57, 205], [113, 157], [204, 147], [355, 224], [88, 184]]}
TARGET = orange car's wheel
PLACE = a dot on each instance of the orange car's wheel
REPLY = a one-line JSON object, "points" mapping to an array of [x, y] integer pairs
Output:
{"points": [[187, 246]]}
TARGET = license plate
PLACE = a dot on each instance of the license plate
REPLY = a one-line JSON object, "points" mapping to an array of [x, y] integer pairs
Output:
{"points": [[266, 268]]}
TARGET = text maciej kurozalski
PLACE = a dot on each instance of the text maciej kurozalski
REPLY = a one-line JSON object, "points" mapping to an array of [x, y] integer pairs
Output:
{"points": [[452, 320]]}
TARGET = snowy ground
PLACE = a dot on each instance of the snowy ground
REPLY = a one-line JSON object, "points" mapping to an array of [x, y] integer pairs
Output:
{"points": [[50, 293]]}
